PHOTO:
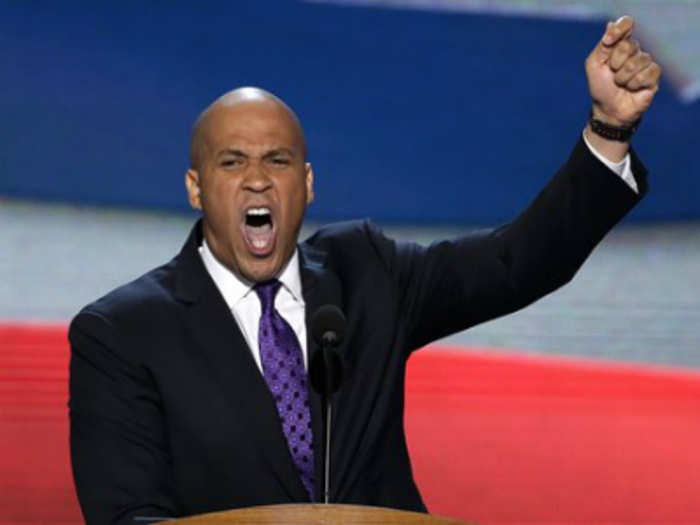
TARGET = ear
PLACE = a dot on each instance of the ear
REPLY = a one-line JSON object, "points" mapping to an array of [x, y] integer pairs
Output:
{"points": [[309, 183], [194, 192]]}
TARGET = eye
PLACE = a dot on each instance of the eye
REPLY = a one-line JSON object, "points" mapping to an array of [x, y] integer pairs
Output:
{"points": [[280, 161], [230, 163]]}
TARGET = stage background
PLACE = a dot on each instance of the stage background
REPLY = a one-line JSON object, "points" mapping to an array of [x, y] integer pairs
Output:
{"points": [[429, 116], [411, 115]]}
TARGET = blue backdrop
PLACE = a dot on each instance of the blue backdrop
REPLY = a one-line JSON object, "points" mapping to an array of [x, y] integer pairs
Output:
{"points": [[410, 115]]}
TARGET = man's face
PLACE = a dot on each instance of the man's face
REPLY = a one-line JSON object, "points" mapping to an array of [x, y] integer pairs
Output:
{"points": [[253, 185]]}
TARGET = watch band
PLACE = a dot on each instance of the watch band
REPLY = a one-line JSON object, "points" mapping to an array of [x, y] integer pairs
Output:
{"points": [[618, 133]]}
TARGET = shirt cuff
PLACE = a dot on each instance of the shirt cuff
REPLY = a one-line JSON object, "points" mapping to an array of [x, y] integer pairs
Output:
{"points": [[622, 169]]}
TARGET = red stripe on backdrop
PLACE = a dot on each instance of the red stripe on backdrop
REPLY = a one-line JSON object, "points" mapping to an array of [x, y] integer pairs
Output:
{"points": [[513, 439], [494, 437], [35, 476]]}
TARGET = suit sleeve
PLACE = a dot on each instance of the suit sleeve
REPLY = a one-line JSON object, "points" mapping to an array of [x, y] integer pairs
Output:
{"points": [[455, 284], [117, 433]]}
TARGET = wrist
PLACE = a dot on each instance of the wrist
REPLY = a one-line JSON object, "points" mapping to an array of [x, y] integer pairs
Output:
{"points": [[612, 150], [606, 117], [611, 128]]}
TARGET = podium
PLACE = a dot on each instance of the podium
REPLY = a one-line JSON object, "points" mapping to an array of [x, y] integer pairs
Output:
{"points": [[315, 514]]}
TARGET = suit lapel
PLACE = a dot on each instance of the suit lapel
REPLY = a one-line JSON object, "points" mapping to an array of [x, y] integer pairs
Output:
{"points": [[320, 286], [217, 336]]}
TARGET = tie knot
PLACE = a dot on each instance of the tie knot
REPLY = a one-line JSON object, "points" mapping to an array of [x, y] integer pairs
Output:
{"points": [[266, 293]]}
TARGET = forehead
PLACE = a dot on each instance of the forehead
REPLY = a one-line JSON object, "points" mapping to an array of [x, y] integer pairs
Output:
{"points": [[251, 126]]}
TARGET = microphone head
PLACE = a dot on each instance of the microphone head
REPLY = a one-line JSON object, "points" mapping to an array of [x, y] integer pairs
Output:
{"points": [[328, 326], [326, 367], [326, 371]]}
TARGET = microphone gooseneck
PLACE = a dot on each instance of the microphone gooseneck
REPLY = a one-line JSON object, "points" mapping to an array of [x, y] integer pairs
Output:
{"points": [[326, 371]]}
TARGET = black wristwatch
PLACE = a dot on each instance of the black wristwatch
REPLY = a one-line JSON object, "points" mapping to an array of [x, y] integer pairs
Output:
{"points": [[618, 133]]}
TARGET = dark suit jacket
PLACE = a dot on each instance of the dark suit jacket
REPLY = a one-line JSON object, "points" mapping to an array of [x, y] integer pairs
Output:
{"points": [[170, 415]]}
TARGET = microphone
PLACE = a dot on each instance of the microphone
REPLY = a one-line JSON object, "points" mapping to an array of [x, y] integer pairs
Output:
{"points": [[326, 368], [328, 325], [326, 371]]}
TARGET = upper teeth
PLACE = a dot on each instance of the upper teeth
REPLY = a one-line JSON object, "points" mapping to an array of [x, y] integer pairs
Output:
{"points": [[258, 211]]}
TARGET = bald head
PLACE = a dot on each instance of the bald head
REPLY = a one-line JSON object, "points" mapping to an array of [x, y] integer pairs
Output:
{"points": [[250, 98]]}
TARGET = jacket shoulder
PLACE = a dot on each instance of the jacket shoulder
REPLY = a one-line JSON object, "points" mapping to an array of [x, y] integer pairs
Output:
{"points": [[142, 298], [353, 239]]}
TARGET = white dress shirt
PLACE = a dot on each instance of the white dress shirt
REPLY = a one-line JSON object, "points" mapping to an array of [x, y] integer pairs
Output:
{"points": [[623, 168], [244, 303]]}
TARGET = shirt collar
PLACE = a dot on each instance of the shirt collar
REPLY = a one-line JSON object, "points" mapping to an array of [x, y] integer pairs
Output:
{"points": [[290, 277], [234, 288]]}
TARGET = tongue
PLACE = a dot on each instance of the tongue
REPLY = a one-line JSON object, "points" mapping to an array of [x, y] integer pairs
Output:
{"points": [[260, 238]]}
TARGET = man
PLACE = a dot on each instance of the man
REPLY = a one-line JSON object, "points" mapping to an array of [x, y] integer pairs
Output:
{"points": [[189, 388]]}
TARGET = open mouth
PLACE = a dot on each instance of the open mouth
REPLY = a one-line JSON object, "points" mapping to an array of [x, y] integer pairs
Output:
{"points": [[259, 231]]}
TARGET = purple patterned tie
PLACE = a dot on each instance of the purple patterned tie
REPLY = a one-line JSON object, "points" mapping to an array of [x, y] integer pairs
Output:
{"points": [[285, 375]]}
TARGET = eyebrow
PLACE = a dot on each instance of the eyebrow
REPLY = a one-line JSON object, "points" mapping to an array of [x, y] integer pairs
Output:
{"points": [[230, 151], [277, 151], [269, 153]]}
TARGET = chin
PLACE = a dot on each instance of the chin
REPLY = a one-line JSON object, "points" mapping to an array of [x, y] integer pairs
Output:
{"points": [[258, 272]]}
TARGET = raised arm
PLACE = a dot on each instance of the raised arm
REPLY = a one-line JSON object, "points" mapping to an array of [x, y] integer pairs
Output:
{"points": [[455, 284]]}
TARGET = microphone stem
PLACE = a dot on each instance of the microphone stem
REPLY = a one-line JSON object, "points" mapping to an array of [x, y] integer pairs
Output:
{"points": [[327, 475]]}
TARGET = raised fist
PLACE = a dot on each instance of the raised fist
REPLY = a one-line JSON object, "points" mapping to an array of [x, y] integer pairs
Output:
{"points": [[622, 79]]}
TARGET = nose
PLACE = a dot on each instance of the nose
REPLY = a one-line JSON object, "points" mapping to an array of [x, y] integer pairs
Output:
{"points": [[257, 179]]}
